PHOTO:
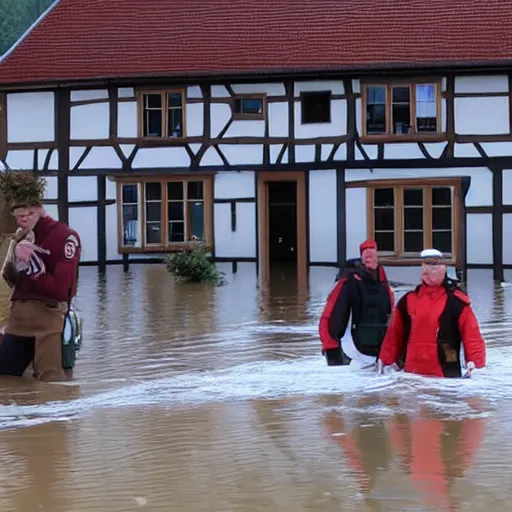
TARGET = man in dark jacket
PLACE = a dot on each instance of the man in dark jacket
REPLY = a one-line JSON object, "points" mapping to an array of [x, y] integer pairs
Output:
{"points": [[362, 295]]}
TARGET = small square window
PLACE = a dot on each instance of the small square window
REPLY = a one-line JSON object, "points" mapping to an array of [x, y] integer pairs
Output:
{"points": [[316, 107], [248, 108]]}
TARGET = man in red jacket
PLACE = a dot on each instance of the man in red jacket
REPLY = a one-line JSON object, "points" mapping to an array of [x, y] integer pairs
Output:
{"points": [[363, 296], [43, 274], [429, 325]]}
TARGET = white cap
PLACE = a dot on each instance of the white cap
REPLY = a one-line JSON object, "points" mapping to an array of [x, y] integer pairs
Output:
{"points": [[431, 253]]}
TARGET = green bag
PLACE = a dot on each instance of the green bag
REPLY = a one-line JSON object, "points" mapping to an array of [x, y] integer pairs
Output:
{"points": [[71, 338]]}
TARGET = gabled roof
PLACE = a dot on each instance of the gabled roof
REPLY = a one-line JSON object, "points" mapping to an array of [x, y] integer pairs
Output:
{"points": [[96, 39]]}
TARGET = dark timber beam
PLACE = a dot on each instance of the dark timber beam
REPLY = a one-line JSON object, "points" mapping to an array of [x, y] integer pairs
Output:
{"points": [[102, 223], [3, 126], [341, 211], [62, 136], [497, 223]]}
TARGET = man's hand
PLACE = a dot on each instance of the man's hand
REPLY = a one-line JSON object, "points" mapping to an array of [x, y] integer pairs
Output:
{"points": [[381, 369], [25, 249], [469, 368]]}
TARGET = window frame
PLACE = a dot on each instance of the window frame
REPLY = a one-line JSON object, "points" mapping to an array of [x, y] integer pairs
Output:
{"points": [[240, 116], [438, 135], [141, 92], [399, 256], [305, 94], [165, 246]]}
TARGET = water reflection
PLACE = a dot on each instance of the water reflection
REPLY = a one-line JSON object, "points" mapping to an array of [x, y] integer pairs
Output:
{"points": [[196, 398]]}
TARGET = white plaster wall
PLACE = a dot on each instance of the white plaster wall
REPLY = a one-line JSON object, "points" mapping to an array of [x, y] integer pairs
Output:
{"points": [[305, 153], [82, 188], [507, 239], [403, 150], [341, 153], [111, 189], [239, 154], [90, 121], [479, 238], [246, 129], [497, 148], [480, 116], [275, 149], [195, 120], [126, 92], [356, 86], [85, 222], [337, 126], [443, 115], [480, 190], [234, 185], [335, 86], [507, 187], [127, 119], [102, 158], [211, 157], [370, 149], [478, 84], [52, 210], [240, 243], [161, 157], [53, 164], [111, 231], [278, 119], [466, 150], [194, 91], [219, 91], [52, 190], [89, 94], [22, 159], [275, 89], [357, 230], [359, 114], [31, 117], [323, 219], [220, 114], [435, 149], [127, 149]]}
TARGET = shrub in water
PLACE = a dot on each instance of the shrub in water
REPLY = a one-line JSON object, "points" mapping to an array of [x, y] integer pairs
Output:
{"points": [[192, 265]]}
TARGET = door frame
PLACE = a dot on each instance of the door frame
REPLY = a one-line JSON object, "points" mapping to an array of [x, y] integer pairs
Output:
{"points": [[263, 179]]}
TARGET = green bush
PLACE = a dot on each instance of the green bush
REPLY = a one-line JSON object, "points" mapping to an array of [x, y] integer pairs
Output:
{"points": [[193, 265]]}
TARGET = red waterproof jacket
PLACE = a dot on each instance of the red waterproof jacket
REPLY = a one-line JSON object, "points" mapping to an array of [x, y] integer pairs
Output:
{"points": [[414, 328]]}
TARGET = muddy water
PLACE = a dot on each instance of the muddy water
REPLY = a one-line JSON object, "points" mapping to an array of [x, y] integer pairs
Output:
{"points": [[188, 398]]}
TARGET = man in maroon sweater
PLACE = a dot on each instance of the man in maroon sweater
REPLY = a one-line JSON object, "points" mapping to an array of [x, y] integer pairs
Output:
{"points": [[45, 280]]}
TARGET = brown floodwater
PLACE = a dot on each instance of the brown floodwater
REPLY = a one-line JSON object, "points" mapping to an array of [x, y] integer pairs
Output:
{"points": [[190, 398]]}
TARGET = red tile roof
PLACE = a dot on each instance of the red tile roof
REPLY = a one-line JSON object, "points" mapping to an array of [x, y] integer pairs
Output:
{"points": [[89, 39]]}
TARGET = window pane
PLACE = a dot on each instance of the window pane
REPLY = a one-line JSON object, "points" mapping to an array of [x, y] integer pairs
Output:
{"points": [[195, 190], [385, 241], [175, 211], [384, 219], [401, 110], [413, 218], [426, 108], [384, 197], [153, 101], [174, 99], [130, 225], [441, 218], [375, 109], [174, 123], [413, 197], [153, 192], [130, 193], [316, 107], [176, 231], [153, 233], [249, 106], [442, 241], [153, 123], [441, 196], [175, 190], [413, 241], [196, 220], [153, 212]]}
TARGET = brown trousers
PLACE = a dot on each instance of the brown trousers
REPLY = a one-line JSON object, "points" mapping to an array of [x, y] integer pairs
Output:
{"points": [[44, 322]]}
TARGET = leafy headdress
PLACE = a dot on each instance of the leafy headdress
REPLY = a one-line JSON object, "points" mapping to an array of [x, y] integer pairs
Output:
{"points": [[21, 189]]}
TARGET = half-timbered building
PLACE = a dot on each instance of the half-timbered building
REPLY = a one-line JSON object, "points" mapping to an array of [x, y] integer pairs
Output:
{"points": [[269, 130]]}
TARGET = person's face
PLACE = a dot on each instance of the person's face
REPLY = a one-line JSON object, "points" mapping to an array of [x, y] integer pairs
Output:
{"points": [[433, 272], [27, 217], [370, 259]]}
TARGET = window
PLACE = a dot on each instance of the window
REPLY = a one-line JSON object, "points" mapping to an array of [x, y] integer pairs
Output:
{"points": [[165, 214], [316, 107], [408, 218], [248, 107], [162, 114], [401, 109]]}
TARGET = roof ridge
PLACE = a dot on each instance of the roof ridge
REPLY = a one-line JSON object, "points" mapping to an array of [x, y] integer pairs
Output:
{"points": [[28, 31]]}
